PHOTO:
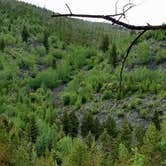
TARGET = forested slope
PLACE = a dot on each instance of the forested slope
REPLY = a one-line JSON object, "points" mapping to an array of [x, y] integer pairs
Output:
{"points": [[60, 102]]}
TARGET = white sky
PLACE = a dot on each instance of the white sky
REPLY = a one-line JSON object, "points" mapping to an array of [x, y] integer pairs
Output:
{"points": [[146, 11]]}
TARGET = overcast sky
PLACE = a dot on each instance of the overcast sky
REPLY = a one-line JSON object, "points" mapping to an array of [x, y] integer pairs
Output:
{"points": [[146, 11]]}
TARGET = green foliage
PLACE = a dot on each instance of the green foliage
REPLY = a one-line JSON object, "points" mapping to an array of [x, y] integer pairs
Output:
{"points": [[123, 152], [160, 56], [104, 43], [113, 56], [125, 134], [70, 124], [53, 79], [151, 139], [143, 53], [139, 160]]}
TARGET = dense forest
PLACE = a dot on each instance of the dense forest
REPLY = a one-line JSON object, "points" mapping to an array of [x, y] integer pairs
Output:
{"points": [[60, 103]]}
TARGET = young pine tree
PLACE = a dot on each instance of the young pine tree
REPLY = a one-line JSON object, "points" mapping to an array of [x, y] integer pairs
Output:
{"points": [[125, 134], [87, 124], [156, 120], [2, 45], [32, 129], [46, 42], [104, 43], [113, 55], [70, 124], [73, 124], [110, 126], [25, 34]]}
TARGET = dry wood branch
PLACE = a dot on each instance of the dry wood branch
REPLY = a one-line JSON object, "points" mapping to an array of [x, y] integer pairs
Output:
{"points": [[115, 21]]}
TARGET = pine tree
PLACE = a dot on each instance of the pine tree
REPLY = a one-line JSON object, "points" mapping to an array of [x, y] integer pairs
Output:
{"points": [[73, 124], [32, 129], [2, 45], [110, 126], [96, 130], [70, 124], [156, 120], [113, 55], [151, 139], [46, 42], [104, 43], [25, 34], [125, 134], [87, 124], [65, 122]]}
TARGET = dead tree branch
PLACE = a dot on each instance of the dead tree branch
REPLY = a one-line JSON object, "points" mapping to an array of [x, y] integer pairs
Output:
{"points": [[115, 21]]}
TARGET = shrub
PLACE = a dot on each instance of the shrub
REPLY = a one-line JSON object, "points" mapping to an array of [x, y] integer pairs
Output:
{"points": [[107, 94], [143, 113], [160, 56]]}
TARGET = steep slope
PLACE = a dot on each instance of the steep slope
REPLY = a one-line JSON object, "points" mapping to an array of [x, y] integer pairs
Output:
{"points": [[59, 86]]}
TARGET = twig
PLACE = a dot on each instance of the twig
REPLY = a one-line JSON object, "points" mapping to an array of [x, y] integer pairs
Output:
{"points": [[68, 8]]}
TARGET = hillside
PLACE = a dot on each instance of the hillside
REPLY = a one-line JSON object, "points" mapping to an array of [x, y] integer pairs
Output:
{"points": [[60, 102]]}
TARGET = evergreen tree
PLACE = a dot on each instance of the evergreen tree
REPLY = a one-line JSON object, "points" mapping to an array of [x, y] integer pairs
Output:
{"points": [[125, 134], [104, 43], [25, 34], [96, 130], [70, 124], [32, 129], [73, 124], [113, 55], [139, 135], [156, 120], [4, 155], [87, 124], [65, 122], [46, 42], [2, 45], [151, 139], [151, 145], [89, 139], [110, 126], [54, 64]]}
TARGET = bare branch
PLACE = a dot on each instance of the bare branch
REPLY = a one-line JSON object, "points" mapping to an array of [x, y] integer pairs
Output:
{"points": [[115, 21], [126, 56], [68, 8]]}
